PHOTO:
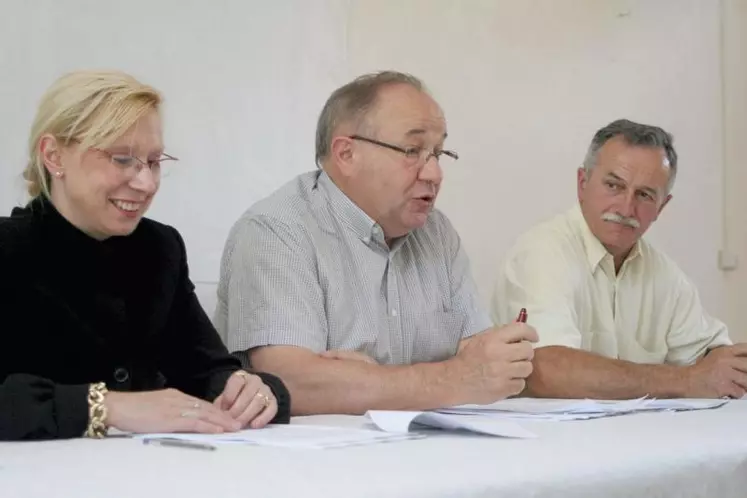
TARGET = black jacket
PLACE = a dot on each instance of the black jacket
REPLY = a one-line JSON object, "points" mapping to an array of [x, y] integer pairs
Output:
{"points": [[75, 310]]}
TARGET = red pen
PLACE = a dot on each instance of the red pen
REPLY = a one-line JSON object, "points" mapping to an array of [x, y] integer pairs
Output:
{"points": [[522, 316]]}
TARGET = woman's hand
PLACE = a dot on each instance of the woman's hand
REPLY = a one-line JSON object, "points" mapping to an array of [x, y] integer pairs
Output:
{"points": [[248, 400], [166, 410]]}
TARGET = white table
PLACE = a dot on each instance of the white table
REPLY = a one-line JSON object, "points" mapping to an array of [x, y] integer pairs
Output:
{"points": [[680, 455]]}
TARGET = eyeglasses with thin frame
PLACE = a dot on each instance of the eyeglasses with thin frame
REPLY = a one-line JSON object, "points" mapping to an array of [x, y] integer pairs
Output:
{"points": [[132, 165], [414, 155]]}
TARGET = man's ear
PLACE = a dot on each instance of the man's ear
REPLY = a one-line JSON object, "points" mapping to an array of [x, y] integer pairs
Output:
{"points": [[582, 178], [342, 153], [663, 204]]}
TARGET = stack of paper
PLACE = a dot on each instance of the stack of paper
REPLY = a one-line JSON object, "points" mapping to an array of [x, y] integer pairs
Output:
{"points": [[403, 422], [290, 436], [501, 418], [566, 409], [683, 405]]}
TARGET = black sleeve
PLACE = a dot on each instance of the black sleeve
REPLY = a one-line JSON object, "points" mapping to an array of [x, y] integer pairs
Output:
{"points": [[192, 356], [35, 408], [31, 407], [281, 394]]}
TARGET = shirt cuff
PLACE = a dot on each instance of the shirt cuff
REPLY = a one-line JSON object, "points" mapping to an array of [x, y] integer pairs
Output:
{"points": [[71, 410], [281, 395]]}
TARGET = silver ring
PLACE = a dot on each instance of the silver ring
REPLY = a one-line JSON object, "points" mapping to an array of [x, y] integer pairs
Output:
{"points": [[265, 398]]}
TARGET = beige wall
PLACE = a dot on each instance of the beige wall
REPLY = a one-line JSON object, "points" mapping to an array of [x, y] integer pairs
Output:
{"points": [[735, 164]]}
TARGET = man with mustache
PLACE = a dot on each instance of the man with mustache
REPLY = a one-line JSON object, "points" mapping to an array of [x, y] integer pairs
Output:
{"points": [[347, 280], [616, 318]]}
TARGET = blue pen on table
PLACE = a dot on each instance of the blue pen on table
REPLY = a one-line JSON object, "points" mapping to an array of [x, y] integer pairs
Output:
{"points": [[178, 443]]}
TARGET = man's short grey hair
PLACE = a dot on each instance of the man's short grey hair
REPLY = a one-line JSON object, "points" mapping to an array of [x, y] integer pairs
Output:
{"points": [[635, 134], [352, 102]]}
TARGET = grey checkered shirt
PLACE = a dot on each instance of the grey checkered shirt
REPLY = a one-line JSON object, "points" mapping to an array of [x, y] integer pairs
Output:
{"points": [[307, 267]]}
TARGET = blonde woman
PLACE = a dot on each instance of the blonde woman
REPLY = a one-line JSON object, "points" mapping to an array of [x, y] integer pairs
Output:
{"points": [[101, 328]]}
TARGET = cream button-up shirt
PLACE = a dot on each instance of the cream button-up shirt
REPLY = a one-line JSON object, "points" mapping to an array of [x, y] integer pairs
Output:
{"points": [[649, 312]]}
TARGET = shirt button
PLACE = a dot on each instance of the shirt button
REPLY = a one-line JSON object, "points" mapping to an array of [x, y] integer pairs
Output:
{"points": [[366, 240], [121, 375], [394, 312]]}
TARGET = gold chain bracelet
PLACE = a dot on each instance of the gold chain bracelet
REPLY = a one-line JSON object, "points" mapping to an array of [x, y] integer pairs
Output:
{"points": [[96, 411]]}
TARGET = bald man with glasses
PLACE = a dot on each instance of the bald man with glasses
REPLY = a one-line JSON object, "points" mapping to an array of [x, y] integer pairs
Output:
{"points": [[351, 286]]}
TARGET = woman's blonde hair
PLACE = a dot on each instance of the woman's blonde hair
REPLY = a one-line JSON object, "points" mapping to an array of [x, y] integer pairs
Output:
{"points": [[93, 108]]}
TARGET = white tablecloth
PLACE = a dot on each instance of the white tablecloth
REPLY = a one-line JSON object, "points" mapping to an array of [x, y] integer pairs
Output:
{"points": [[647, 455]]}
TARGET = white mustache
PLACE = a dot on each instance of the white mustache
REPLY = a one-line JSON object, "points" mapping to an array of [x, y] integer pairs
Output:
{"points": [[620, 219]]}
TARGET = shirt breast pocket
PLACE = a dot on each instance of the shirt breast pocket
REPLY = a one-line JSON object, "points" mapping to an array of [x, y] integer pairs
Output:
{"points": [[635, 352], [437, 336]]}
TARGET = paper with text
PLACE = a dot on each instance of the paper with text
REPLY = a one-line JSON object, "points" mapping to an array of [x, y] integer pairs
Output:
{"points": [[292, 436], [404, 422], [578, 409]]}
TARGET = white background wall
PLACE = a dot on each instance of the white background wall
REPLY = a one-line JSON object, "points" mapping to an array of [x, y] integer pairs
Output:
{"points": [[734, 59], [524, 84]]}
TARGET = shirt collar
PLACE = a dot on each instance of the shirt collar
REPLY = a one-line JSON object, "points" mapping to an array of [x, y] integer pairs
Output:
{"points": [[595, 251], [365, 228], [72, 245]]}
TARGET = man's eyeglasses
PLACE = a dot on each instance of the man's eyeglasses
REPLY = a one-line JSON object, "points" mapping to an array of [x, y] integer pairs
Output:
{"points": [[414, 155]]}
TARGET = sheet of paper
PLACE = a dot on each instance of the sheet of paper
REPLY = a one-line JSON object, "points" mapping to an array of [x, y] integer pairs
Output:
{"points": [[567, 409], [518, 416], [683, 404], [292, 436], [553, 406], [404, 422]]}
